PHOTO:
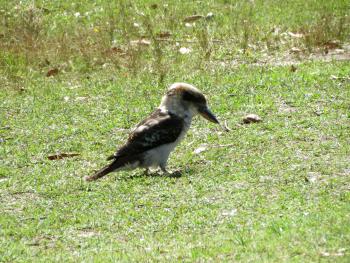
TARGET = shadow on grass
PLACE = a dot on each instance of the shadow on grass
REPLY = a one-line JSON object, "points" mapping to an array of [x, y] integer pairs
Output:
{"points": [[176, 174]]}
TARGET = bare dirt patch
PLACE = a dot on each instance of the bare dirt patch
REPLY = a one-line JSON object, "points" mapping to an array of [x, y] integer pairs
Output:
{"points": [[292, 59], [46, 241], [16, 202], [285, 107]]}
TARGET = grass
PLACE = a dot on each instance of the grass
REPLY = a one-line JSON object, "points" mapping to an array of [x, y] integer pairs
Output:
{"points": [[275, 191]]}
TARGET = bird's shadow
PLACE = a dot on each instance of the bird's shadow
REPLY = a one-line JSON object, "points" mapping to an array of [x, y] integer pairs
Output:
{"points": [[175, 174]]}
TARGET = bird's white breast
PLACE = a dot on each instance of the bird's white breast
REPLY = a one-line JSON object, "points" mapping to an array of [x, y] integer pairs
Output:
{"points": [[159, 155]]}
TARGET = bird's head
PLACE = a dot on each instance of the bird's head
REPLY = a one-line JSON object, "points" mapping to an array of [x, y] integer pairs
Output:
{"points": [[186, 100]]}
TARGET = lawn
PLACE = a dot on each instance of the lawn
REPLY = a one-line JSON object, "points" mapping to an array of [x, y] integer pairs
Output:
{"points": [[77, 77]]}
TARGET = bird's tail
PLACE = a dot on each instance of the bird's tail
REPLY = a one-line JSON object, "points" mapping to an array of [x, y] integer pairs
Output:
{"points": [[104, 171]]}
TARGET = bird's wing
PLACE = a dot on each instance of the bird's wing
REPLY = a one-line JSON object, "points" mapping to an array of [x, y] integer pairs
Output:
{"points": [[158, 129]]}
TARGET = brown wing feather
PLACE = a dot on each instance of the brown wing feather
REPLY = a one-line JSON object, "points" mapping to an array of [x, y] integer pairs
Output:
{"points": [[158, 129]]}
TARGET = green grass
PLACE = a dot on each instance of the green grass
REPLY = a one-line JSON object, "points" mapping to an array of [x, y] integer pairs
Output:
{"points": [[274, 191]]}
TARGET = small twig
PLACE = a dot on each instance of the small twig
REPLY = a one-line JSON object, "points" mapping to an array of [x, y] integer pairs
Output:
{"points": [[333, 77], [225, 127]]}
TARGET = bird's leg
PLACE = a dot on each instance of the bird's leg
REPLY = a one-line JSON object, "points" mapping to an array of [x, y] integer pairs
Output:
{"points": [[164, 170], [147, 172]]}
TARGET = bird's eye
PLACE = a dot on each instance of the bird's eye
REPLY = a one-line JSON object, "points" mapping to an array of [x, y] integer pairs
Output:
{"points": [[193, 97]]}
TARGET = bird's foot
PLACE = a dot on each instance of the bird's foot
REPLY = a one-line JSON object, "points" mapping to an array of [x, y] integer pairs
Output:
{"points": [[175, 174], [150, 172]]}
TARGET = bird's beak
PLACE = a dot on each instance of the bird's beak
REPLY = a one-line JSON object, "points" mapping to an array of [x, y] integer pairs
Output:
{"points": [[206, 113]]}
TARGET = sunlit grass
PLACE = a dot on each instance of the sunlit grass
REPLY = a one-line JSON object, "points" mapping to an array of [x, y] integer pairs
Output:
{"points": [[274, 191]]}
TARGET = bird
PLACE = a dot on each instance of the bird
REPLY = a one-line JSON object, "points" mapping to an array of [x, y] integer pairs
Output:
{"points": [[150, 143]]}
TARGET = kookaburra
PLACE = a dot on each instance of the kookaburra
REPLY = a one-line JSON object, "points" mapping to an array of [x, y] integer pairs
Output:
{"points": [[151, 142]]}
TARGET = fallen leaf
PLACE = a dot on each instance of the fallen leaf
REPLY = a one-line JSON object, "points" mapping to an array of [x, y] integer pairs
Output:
{"points": [[52, 72], [250, 118], [193, 18], [295, 50], [81, 98], [164, 34], [332, 44], [117, 50], [339, 253], [295, 35], [200, 149], [141, 42], [333, 77], [185, 50], [60, 156]]}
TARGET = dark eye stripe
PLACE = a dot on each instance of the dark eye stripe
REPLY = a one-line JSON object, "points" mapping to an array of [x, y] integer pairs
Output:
{"points": [[193, 97]]}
